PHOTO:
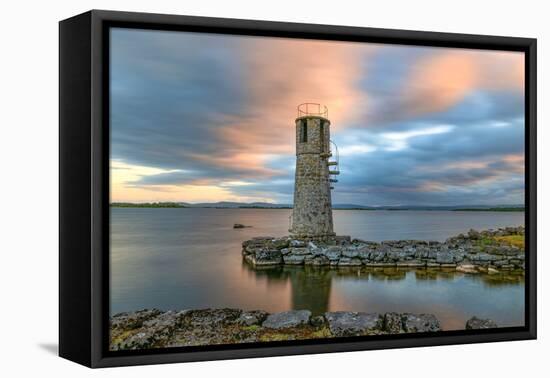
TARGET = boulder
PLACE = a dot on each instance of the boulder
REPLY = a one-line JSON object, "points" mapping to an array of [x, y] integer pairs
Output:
{"points": [[297, 243], [420, 323], [467, 268], [264, 256], [344, 323], [287, 319], [444, 258], [485, 257], [133, 320], [300, 251], [317, 321], [292, 259], [473, 234], [346, 261], [317, 261], [476, 323], [278, 243], [333, 253], [392, 323], [249, 318]]}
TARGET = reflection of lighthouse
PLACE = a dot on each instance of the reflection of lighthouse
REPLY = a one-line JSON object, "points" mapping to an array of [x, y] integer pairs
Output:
{"points": [[312, 212]]}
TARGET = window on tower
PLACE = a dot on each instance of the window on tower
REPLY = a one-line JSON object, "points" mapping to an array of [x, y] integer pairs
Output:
{"points": [[303, 131]]}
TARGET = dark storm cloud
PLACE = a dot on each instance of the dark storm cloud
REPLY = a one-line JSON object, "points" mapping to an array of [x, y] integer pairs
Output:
{"points": [[169, 95]]}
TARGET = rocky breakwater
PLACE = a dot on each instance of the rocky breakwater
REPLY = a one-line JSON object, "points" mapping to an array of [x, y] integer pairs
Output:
{"points": [[161, 329], [488, 251]]}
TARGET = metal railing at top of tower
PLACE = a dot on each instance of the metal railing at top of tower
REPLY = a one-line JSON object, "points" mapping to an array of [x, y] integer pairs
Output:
{"points": [[312, 109]]}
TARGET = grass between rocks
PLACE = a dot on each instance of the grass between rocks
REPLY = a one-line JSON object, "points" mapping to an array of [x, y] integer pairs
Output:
{"points": [[298, 333], [512, 240]]}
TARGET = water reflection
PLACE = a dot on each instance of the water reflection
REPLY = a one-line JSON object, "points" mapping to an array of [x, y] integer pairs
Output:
{"points": [[311, 287]]}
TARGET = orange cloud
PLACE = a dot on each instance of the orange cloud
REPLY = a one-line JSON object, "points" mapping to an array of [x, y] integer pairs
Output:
{"points": [[281, 77], [439, 81]]}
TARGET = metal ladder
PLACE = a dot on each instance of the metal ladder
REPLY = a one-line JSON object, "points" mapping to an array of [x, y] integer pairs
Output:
{"points": [[333, 166]]}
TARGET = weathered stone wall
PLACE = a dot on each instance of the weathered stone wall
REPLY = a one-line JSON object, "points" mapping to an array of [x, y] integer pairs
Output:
{"points": [[475, 252], [312, 211]]}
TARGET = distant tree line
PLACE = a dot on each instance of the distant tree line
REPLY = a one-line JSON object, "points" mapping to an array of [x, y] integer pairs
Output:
{"points": [[493, 209], [146, 204]]}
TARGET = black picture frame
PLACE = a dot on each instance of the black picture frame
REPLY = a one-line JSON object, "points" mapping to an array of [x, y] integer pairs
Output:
{"points": [[84, 186]]}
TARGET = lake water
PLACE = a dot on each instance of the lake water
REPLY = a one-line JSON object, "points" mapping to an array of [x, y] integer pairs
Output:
{"points": [[191, 258]]}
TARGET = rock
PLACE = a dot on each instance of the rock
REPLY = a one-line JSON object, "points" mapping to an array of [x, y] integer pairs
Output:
{"points": [[317, 261], [153, 332], [431, 264], [291, 259], [488, 257], [133, 320], [466, 268], [363, 252], [346, 261], [420, 323], [287, 319], [208, 317], [317, 321], [476, 323], [421, 253], [261, 239], [411, 263], [299, 251], [249, 318], [333, 253], [343, 323], [297, 243], [285, 251], [452, 265], [239, 225], [342, 240], [312, 246], [350, 252], [278, 243], [444, 258], [392, 323], [516, 261], [473, 234], [492, 270], [499, 263], [264, 257], [378, 255]]}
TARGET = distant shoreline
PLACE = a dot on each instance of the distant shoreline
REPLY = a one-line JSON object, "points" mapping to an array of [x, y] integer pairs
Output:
{"points": [[165, 205], [503, 209]]}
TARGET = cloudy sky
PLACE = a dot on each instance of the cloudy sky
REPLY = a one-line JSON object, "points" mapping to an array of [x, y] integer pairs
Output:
{"points": [[205, 118]]}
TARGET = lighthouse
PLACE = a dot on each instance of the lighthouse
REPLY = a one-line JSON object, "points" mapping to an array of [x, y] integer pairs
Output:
{"points": [[316, 170]]}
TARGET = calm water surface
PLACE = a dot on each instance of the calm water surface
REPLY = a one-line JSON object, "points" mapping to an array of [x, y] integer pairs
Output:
{"points": [[191, 258]]}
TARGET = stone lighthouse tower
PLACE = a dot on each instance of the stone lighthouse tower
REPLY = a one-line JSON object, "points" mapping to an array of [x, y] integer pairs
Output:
{"points": [[315, 174]]}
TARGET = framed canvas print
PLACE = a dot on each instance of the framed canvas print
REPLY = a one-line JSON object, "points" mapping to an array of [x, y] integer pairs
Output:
{"points": [[234, 188]]}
